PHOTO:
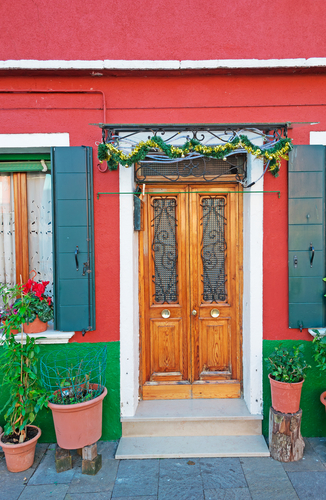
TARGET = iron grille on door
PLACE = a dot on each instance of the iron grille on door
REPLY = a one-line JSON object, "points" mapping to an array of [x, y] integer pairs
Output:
{"points": [[164, 247]]}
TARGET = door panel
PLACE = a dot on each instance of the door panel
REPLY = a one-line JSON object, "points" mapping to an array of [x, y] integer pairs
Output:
{"points": [[190, 288]]}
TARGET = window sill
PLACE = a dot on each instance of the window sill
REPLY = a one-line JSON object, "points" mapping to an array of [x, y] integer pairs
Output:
{"points": [[321, 331], [50, 336]]}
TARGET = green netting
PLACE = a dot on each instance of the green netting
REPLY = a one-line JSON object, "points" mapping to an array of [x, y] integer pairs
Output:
{"points": [[74, 377]]}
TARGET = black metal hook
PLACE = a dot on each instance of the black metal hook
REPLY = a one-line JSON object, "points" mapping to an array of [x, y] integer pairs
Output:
{"points": [[312, 250], [76, 258]]}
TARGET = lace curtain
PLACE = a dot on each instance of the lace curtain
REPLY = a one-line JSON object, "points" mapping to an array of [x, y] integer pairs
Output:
{"points": [[39, 207], [7, 231]]}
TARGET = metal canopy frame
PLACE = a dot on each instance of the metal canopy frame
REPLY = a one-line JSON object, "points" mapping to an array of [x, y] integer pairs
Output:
{"points": [[111, 129], [124, 136]]}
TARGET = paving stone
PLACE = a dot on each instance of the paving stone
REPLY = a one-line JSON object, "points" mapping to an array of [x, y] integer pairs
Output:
{"points": [[181, 479], [107, 448], [228, 494], [10, 489], [267, 479], [180, 467], [319, 446], [46, 473], [87, 496], [180, 491], [54, 491], [309, 485], [310, 461], [222, 473], [137, 498], [103, 481], [136, 478]]}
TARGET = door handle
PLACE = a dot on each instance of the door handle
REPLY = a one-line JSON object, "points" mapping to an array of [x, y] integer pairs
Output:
{"points": [[76, 258], [312, 250], [194, 312]]}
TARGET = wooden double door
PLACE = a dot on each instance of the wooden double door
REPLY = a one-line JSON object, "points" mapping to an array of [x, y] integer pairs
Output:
{"points": [[190, 269]]}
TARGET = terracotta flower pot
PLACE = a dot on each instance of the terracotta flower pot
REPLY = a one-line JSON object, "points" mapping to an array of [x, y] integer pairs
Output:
{"points": [[322, 399], [285, 396], [20, 457], [35, 326], [79, 424]]}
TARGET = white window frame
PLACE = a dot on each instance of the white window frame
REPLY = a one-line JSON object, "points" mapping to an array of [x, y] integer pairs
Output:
{"points": [[39, 140]]}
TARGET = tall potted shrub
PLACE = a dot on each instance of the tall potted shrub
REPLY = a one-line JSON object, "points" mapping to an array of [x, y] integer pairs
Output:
{"points": [[287, 373], [26, 397]]}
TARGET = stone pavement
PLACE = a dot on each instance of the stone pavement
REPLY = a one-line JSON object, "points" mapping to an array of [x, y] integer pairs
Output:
{"points": [[170, 479]]}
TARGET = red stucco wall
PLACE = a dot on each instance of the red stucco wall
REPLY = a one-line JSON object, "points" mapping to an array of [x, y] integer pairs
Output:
{"points": [[162, 30], [173, 99]]}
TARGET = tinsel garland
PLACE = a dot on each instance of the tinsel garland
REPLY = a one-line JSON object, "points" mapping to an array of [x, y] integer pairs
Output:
{"points": [[274, 154]]}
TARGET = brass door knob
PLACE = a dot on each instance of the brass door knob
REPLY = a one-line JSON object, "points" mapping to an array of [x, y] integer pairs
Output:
{"points": [[194, 312], [215, 313], [165, 314]]}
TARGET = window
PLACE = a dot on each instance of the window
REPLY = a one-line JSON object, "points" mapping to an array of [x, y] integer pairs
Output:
{"points": [[26, 202], [45, 217]]}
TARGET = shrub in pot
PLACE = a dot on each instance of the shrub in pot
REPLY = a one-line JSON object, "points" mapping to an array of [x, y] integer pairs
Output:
{"points": [[76, 382], [26, 397], [319, 342], [287, 372]]}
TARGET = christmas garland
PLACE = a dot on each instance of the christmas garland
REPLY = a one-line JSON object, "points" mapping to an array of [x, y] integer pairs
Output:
{"points": [[273, 155]]}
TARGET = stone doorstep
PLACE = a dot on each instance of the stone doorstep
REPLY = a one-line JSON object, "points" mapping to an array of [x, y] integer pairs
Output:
{"points": [[192, 409], [239, 427], [205, 417], [191, 446]]}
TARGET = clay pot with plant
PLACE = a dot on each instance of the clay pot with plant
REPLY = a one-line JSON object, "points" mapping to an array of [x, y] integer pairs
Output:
{"points": [[26, 397], [319, 342], [31, 301], [77, 387], [40, 306], [287, 373]]}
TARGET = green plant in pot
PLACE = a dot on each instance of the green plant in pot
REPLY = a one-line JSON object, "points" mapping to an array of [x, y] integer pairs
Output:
{"points": [[76, 381], [287, 373], [319, 342], [32, 300], [40, 306], [19, 359]]}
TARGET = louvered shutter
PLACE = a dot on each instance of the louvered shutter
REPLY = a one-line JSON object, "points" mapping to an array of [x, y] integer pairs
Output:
{"points": [[307, 237], [74, 287]]}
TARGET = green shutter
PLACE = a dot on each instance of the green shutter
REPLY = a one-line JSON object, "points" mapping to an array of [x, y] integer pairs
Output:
{"points": [[306, 229], [74, 290]]}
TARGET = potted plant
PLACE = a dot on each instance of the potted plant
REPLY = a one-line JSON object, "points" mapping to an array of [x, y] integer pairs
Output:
{"points": [[319, 342], [77, 387], [26, 397], [40, 306], [287, 373]]}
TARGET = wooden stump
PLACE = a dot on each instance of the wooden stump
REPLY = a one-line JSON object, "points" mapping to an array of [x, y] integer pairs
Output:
{"points": [[285, 441]]}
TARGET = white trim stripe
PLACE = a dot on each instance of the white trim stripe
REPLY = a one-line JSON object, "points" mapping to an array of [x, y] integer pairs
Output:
{"points": [[34, 140], [108, 64]]}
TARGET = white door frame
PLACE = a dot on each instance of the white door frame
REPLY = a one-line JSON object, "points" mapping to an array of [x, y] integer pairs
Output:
{"points": [[252, 293]]}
